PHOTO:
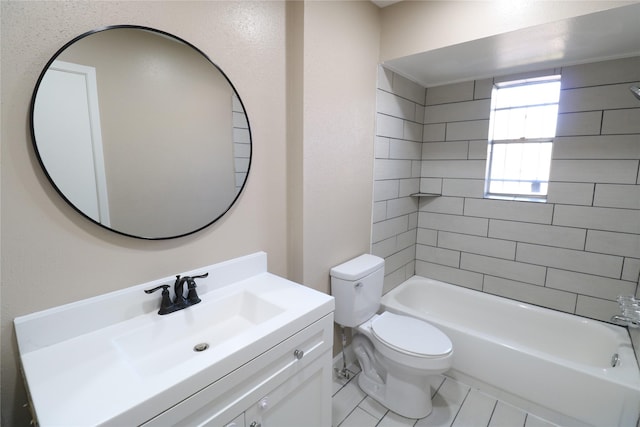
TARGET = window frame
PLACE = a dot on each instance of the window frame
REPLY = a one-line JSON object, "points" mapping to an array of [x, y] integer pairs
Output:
{"points": [[551, 78]]}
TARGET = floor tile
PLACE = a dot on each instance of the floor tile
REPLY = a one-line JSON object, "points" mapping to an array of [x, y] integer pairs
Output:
{"points": [[442, 414], [533, 421], [446, 404], [394, 420], [338, 383], [476, 410], [453, 392], [372, 407], [345, 401], [359, 418], [435, 382], [507, 416], [454, 405]]}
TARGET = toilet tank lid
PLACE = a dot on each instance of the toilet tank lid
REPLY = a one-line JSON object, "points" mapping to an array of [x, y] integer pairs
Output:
{"points": [[357, 268]]}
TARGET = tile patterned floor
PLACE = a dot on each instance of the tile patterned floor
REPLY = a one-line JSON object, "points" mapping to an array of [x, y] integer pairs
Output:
{"points": [[454, 405]]}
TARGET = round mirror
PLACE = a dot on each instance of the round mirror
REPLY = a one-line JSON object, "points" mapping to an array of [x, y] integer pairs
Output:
{"points": [[140, 132]]}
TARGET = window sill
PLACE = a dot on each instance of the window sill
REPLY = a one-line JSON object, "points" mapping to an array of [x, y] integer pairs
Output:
{"points": [[516, 198]]}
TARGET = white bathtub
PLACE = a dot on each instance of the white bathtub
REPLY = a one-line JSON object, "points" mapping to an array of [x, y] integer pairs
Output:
{"points": [[552, 364]]}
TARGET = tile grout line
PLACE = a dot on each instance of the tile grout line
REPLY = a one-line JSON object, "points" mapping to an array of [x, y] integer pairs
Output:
{"points": [[381, 418], [351, 412], [460, 408], [495, 406]]}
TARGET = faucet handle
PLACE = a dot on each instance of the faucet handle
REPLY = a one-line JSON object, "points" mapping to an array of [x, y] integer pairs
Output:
{"points": [[166, 305], [192, 296], [163, 287]]}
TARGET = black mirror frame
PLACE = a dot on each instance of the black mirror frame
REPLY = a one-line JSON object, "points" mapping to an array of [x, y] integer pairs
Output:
{"points": [[44, 169]]}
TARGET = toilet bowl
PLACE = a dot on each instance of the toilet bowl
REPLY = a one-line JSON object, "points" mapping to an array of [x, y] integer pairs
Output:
{"points": [[409, 342], [398, 354]]}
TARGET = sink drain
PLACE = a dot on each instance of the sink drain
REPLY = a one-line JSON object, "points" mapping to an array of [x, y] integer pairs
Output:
{"points": [[201, 347]]}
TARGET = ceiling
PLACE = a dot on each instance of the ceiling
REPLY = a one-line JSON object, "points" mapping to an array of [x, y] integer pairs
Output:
{"points": [[610, 34]]}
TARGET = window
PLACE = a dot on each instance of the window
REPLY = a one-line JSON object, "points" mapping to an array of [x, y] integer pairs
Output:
{"points": [[521, 132]]}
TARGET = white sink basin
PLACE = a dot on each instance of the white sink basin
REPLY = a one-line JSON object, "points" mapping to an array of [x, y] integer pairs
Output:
{"points": [[164, 342], [112, 360]]}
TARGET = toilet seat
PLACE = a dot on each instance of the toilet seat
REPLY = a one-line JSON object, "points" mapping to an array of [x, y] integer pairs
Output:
{"points": [[411, 336]]}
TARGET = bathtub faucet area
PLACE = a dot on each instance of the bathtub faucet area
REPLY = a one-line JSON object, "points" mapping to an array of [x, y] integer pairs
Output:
{"points": [[625, 321], [630, 308]]}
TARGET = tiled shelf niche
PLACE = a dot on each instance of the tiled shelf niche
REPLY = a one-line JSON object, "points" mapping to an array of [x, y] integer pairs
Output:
{"points": [[425, 195]]}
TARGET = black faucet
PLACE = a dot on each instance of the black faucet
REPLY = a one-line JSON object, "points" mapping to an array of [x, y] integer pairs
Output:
{"points": [[192, 296], [179, 302], [178, 288]]}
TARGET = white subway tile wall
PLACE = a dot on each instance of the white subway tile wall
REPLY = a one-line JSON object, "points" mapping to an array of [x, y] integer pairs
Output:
{"points": [[574, 253], [397, 173]]}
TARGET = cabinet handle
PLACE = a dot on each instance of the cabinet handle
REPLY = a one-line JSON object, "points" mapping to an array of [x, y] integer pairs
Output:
{"points": [[264, 404], [299, 354]]}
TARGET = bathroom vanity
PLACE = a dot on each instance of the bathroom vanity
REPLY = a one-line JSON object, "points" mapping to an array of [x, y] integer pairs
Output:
{"points": [[255, 352]]}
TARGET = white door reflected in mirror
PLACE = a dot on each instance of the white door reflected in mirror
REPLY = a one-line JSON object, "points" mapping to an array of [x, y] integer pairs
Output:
{"points": [[68, 114]]}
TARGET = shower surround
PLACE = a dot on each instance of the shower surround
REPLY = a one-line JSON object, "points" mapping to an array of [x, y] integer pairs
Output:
{"points": [[575, 253]]}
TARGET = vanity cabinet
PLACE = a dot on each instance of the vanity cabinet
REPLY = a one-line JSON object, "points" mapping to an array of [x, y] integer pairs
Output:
{"points": [[288, 385], [255, 351]]}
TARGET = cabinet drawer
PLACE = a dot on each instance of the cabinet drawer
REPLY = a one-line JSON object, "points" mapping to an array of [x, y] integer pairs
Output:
{"points": [[223, 400]]}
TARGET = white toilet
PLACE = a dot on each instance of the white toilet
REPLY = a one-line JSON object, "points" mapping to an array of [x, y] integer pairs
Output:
{"points": [[397, 353]]}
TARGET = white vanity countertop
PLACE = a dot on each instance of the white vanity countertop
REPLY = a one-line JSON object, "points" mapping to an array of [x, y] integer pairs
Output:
{"points": [[132, 368]]}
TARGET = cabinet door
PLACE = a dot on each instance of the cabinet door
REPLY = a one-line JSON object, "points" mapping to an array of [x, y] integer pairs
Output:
{"points": [[302, 400]]}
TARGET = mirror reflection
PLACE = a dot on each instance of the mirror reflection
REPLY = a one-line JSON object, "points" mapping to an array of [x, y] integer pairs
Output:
{"points": [[140, 132]]}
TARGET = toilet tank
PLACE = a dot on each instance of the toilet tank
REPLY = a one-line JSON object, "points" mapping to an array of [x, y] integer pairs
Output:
{"points": [[357, 288]]}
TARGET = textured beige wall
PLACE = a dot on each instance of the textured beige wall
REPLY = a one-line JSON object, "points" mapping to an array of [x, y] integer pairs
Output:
{"points": [[50, 254], [331, 79], [310, 185], [411, 27], [341, 42], [295, 146]]}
